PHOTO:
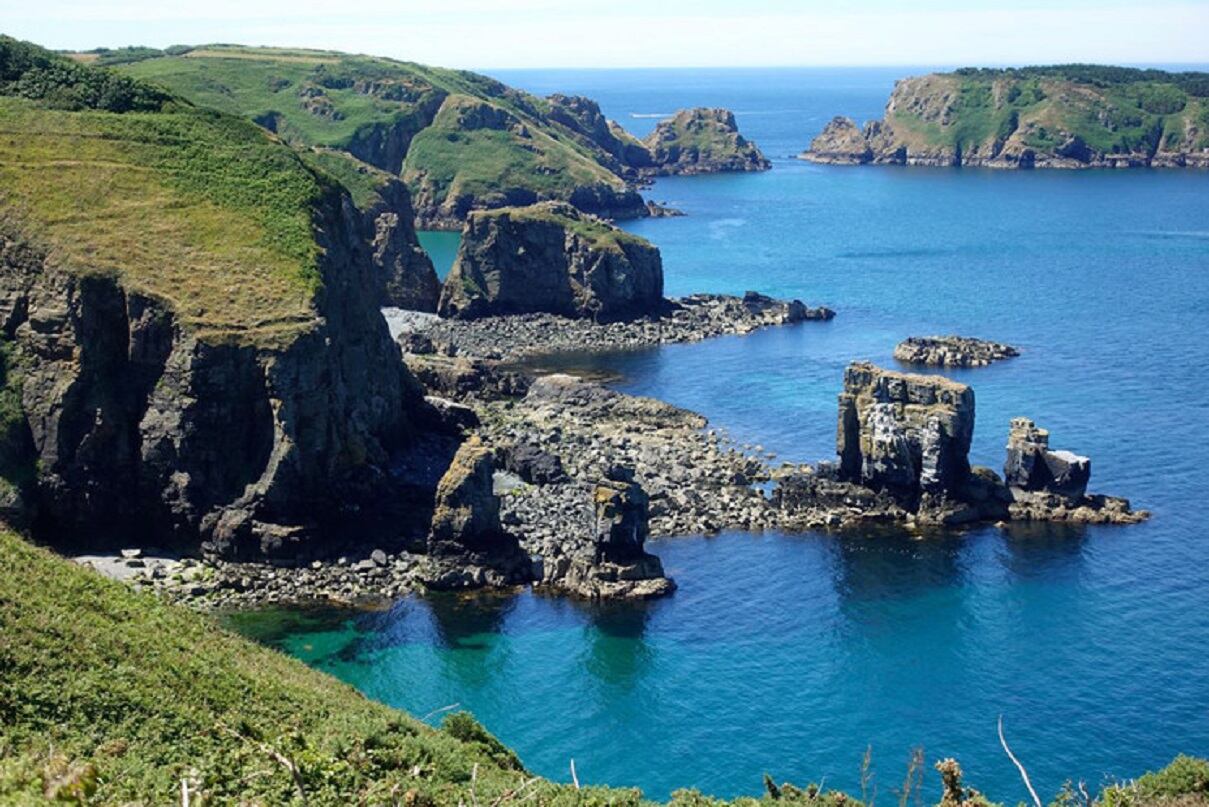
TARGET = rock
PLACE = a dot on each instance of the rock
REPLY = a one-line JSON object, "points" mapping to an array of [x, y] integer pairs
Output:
{"points": [[405, 276], [616, 564], [952, 351], [701, 141], [466, 527], [907, 434], [1032, 466], [453, 416], [537, 467], [551, 258], [379, 557], [130, 554], [841, 142]]}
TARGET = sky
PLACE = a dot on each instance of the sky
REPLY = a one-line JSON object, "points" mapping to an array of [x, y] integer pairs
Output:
{"points": [[646, 33]]}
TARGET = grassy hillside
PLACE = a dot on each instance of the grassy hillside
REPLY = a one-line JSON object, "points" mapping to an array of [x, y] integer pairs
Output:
{"points": [[201, 209], [382, 110], [1111, 110]]}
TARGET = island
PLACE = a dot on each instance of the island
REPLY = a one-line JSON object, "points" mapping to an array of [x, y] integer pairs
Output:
{"points": [[1062, 116]]}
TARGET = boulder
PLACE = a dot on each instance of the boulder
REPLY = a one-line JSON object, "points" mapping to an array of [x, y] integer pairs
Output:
{"points": [[1032, 466], [615, 565], [905, 434], [551, 258], [467, 545], [532, 464]]}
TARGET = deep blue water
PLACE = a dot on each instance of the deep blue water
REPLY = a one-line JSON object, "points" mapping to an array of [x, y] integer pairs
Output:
{"points": [[791, 654]]}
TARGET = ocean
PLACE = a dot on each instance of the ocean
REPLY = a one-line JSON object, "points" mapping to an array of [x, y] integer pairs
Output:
{"points": [[793, 654]]}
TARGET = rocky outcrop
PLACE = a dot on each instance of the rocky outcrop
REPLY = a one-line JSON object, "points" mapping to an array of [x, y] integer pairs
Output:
{"points": [[903, 443], [952, 351], [840, 143], [1048, 485], [615, 566], [681, 319], [143, 431], [405, 276], [467, 546], [554, 259], [1068, 116], [701, 141], [906, 434]]}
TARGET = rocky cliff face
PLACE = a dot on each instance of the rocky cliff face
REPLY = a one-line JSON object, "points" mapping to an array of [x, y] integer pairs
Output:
{"points": [[553, 259], [142, 432], [406, 278], [467, 546], [908, 434], [701, 141], [1046, 117]]}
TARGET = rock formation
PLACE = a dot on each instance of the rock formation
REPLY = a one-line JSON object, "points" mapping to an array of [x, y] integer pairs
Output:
{"points": [[467, 546], [1048, 485], [701, 141], [406, 278], [952, 351], [616, 565], [1066, 116], [907, 434], [551, 258], [903, 443], [141, 430]]}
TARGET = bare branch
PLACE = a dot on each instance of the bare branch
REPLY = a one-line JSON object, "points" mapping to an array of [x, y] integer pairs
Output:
{"points": [[1016, 762]]}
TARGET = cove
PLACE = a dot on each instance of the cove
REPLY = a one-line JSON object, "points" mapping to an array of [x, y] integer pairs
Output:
{"points": [[792, 653]]}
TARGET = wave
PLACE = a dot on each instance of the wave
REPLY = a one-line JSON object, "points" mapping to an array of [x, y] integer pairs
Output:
{"points": [[650, 114], [922, 252], [1197, 234]]}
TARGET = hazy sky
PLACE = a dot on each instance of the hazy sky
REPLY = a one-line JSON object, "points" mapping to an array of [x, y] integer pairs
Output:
{"points": [[634, 33]]}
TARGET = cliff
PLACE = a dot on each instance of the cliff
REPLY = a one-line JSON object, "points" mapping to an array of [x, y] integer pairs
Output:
{"points": [[702, 141], [1068, 116], [190, 317], [550, 258]]}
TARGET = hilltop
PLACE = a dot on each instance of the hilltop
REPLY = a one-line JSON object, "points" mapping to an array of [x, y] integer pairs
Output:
{"points": [[1064, 116], [460, 140], [189, 321]]}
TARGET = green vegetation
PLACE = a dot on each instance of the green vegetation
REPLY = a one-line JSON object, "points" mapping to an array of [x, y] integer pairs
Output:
{"points": [[1111, 110], [202, 210], [363, 181], [16, 444], [599, 233], [27, 71], [381, 109]]}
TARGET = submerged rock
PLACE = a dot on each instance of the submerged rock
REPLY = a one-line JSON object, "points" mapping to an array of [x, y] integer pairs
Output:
{"points": [[952, 351], [551, 258]]}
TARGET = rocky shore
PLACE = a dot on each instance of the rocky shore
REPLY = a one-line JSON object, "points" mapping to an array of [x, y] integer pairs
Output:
{"points": [[952, 351], [681, 319]]}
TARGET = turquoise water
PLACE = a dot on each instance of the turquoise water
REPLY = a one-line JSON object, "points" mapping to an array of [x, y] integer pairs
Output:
{"points": [[791, 654], [442, 247]]}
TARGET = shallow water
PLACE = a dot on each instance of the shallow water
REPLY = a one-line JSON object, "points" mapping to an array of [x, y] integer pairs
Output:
{"points": [[791, 654]]}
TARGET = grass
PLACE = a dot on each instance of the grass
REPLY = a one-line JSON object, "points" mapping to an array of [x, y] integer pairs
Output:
{"points": [[1131, 113], [363, 181], [195, 208], [343, 101], [600, 234], [458, 161]]}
